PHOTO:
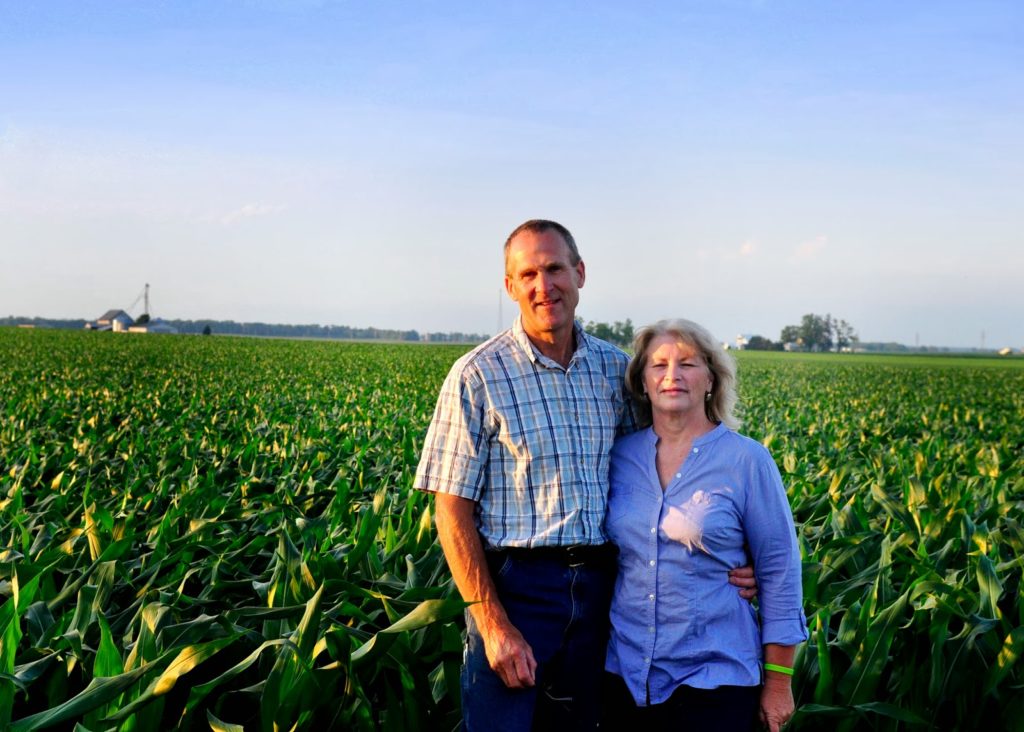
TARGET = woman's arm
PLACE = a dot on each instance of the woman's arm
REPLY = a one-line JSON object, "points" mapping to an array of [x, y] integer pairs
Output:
{"points": [[777, 694], [771, 534]]}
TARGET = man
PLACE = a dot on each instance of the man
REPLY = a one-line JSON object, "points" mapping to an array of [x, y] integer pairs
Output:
{"points": [[517, 455]]}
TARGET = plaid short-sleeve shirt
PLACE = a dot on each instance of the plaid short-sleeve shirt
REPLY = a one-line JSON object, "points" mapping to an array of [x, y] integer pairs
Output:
{"points": [[529, 440]]}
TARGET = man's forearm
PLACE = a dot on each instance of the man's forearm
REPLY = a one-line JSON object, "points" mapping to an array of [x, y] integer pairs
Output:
{"points": [[508, 653], [464, 552]]}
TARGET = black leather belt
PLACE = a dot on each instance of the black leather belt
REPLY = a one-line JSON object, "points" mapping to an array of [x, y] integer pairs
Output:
{"points": [[570, 555]]}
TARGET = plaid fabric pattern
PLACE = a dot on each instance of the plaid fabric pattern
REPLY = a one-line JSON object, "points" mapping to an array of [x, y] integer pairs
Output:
{"points": [[528, 440]]}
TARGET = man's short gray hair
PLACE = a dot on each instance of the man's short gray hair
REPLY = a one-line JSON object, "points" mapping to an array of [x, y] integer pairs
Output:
{"points": [[539, 226]]}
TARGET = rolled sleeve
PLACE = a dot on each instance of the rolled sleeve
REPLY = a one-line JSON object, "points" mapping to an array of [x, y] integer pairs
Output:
{"points": [[771, 535]]}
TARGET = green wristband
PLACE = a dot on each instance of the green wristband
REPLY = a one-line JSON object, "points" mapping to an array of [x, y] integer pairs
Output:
{"points": [[780, 669]]}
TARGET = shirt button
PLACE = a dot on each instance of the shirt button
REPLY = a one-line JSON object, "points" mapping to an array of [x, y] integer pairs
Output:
{"points": [[650, 596], [646, 659], [696, 449], [653, 529], [679, 475], [652, 562], [650, 628]]}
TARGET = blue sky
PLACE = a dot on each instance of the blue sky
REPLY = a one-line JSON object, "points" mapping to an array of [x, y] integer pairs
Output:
{"points": [[738, 163]]}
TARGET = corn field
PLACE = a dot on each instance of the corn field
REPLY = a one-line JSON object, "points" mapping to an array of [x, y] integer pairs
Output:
{"points": [[214, 533]]}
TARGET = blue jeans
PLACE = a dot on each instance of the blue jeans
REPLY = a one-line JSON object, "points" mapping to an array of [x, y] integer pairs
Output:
{"points": [[725, 708], [562, 612]]}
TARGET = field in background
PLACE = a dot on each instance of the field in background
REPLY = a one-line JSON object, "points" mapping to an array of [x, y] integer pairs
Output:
{"points": [[197, 532]]}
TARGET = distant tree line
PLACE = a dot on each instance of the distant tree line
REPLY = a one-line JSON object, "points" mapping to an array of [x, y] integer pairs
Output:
{"points": [[43, 322], [230, 327]]}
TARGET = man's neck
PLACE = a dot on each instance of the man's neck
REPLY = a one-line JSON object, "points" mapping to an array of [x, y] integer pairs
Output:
{"points": [[559, 347]]}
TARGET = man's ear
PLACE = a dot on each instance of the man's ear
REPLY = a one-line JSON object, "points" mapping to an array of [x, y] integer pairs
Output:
{"points": [[581, 273]]}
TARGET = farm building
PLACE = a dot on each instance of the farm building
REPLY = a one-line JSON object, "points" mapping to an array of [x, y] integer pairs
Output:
{"points": [[116, 320], [154, 325]]}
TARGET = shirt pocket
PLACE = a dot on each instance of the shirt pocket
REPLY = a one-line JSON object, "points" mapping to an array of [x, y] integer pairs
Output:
{"points": [[721, 525], [536, 471]]}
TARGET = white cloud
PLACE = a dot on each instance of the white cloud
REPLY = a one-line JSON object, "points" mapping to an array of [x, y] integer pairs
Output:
{"points": [[249, 211], [810, 249], [746, 251]]}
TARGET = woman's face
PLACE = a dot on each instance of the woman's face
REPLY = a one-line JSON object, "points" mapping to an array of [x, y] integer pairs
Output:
{"points": [[676, 377]]}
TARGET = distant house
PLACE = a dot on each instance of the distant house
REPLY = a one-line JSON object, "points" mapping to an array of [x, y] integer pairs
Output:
{"points": [[742, 341], [153, 325], [116, 320]]}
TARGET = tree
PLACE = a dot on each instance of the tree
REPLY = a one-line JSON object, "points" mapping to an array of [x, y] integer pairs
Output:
{"points": [[790, 334], [599, 330], [820, 333], [845, 335], [760, 343], [206, 330], [816, 332], [624, 332], [621, 334]]}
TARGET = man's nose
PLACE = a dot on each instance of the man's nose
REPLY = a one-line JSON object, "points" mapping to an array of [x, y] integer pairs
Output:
{"points": [[544, 282]]}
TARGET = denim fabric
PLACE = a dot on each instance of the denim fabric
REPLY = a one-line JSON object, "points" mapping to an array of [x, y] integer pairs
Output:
{"points": [[725, 709], [562, 611]]}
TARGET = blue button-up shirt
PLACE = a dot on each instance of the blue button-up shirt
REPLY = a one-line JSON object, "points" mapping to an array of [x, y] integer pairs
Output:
{"points": [[528, 439], [675, 618]]}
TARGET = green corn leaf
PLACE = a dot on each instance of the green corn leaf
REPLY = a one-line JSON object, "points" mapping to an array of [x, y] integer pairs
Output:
{"points": [[201, 691], [183, 662], [218, 726], [369, 523], [891, 711], [864, 674], [824, 687], [1008, 657], [990, 586], [108, 657], [427, 612], [96, 694]]}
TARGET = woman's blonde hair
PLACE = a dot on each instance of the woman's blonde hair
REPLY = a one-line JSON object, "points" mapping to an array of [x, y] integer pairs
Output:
{"points": [[720, 406]]}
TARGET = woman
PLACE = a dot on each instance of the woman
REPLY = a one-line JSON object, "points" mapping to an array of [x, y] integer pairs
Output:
{"points": [[689, 499]]}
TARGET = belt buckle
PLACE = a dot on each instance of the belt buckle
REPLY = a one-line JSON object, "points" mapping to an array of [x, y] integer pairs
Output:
{"points": [[574, 555]]}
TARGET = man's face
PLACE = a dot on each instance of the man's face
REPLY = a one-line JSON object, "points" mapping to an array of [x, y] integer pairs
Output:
{"points": [[541, 278]]}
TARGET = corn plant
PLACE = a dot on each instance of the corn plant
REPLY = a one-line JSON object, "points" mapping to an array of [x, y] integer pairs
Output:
{"points": [[215, 533]]}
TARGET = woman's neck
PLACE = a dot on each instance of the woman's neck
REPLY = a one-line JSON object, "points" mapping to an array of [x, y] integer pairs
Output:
{"points": [[676, 434], [679, 428]]}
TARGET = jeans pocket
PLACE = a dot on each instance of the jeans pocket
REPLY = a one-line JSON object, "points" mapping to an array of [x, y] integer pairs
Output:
{"points": [[499, 563]]}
